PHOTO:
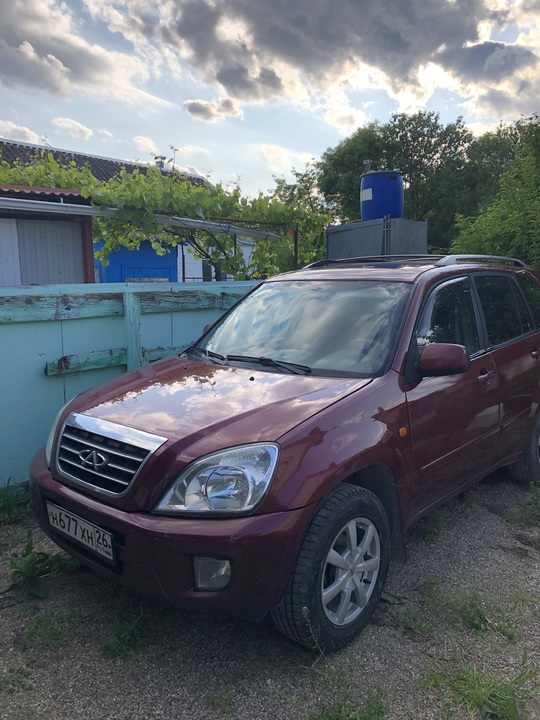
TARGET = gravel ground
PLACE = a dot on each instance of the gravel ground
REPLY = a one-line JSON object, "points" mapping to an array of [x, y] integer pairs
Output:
{"points": [[92, 650]]}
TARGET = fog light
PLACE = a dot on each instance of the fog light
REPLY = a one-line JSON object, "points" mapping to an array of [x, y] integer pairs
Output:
{"points": [[211, 573]]}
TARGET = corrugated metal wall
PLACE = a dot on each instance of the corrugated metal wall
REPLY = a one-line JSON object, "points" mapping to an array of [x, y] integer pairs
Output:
{"points": [[50, 252], [10, 269]]}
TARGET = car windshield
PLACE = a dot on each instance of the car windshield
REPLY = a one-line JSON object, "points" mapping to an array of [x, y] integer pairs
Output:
{"points": [[333, 327]]}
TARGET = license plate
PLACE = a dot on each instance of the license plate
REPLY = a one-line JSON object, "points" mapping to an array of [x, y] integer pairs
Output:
{"points": [[82, 531]]}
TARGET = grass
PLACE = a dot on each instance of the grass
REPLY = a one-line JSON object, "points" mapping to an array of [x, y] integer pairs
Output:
{"points": [[47, 630], [373, 708], [481, 692], [222, 704], [416, 623], [14, 503], [15, 679], [126, 639], [470, 611], [432, 525]]}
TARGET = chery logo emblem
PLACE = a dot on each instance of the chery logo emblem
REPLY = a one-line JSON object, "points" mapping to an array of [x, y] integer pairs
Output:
{"points": [[93, 459]]}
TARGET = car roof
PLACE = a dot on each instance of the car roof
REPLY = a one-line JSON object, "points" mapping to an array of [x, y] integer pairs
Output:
{"points": [[403, 268]]}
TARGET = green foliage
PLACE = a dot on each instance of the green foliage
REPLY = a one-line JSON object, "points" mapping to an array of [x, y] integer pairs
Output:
{"points": [[15, 679], [432, 525], [483, 693], [510, 225], [126, 639], [30, 567], [140, 197], [222, 704], [14, 503], [47, 630], [445, 170], [373, 708]]}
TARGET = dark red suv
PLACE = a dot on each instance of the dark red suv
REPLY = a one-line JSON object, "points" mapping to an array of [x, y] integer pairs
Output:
{"points": [[275, 465]]}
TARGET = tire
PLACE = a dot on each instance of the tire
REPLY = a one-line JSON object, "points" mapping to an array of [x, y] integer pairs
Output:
{"points": [[526, 469], [331, 597]]}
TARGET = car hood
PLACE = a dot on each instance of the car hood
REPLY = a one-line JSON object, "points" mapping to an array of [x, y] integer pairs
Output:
{"points": [[186, 401]]}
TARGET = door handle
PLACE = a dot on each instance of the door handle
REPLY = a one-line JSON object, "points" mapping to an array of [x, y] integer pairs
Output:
{"points": [[535, 353], [486, 376]]}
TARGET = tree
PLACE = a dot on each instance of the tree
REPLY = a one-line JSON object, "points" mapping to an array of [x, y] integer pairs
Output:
{"points": [[510, 225], [446, 170], [340, 169]]}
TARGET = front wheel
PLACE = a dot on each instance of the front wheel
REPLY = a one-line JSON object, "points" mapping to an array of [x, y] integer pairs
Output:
{"points": [[340, 571]]}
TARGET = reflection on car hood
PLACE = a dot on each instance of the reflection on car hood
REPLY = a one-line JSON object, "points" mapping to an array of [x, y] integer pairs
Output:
{"points": [[180, 399]]}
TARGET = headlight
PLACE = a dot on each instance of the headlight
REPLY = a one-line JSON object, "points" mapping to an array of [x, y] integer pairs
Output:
{"points": [[48, 446], [229, 481]]}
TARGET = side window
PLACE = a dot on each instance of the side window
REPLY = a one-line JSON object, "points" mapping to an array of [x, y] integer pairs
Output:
{"points": [[448, 317], [500, 309], [531, 290]]}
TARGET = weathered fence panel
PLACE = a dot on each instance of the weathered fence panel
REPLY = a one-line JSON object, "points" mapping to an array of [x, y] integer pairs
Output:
{"points": [[58, 340]]}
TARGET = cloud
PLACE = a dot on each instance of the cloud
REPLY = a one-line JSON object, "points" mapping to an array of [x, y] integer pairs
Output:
{"points": [[145, 144], [212, 111], [256, 51], [18, 132], [488, 62], [41, 47], [74, 128], [188, 150], [280, 159]]}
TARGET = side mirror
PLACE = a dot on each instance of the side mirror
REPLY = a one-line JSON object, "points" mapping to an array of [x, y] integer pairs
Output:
{"points": [[443, 359], [206, 328]]}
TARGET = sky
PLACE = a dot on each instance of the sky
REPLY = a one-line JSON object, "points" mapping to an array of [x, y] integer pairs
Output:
{"points": [[241, 91]]}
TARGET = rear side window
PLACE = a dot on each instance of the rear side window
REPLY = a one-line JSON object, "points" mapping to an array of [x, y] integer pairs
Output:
{"points": [[504, 321], [448, 317], [531, 290]]}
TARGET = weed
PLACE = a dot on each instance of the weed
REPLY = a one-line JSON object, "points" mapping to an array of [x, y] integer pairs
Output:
{"points": [[127, 639], [416, 623], [30, 567], [430, 590], [14, 503], [15, 679], [305, 613], [482, 692], [467, 608], [222, 704], [432, 525], [47, 630], [469, 611], [372, 709]]}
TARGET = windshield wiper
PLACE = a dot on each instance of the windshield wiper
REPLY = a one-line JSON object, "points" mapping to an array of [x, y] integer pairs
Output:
{"points": [[194, 350], [291, 367]]}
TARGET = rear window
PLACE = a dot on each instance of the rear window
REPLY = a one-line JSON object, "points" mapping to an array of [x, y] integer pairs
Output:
{"points": [[501, 312], [334, 327]]}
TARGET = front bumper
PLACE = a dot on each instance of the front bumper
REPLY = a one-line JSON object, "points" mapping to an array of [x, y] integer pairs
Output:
{"points": [[154, 554]]}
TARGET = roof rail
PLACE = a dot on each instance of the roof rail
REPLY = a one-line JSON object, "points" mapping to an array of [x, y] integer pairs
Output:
{"points": [[375, 259], [455, 259]]}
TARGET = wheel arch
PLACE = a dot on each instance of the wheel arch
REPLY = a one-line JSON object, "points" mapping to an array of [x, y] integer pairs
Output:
{"points": [[379, 479]]}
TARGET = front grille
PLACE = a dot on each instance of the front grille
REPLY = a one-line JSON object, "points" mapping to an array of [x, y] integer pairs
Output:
{"points": [[103, 455]]}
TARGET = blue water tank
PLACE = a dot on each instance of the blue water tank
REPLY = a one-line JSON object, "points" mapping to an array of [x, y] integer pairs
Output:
{"points": [[381, 193]]}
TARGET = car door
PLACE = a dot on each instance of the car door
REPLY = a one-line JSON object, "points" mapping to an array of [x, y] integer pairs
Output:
{"points": [[514, 343], [454, 419]]}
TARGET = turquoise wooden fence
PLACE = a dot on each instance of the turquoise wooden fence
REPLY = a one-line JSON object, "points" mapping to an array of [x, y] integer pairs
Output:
{"points": [[56, 341]]}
